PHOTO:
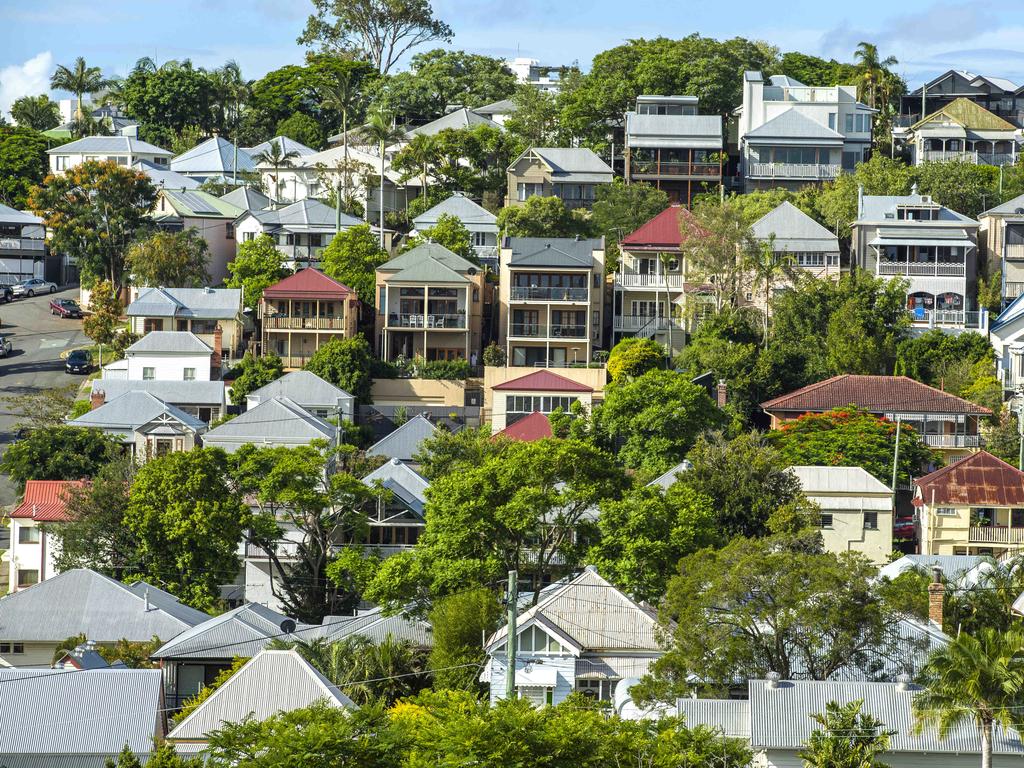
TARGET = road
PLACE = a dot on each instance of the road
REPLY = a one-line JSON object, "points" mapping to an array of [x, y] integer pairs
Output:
{"points": [[38, 339]]}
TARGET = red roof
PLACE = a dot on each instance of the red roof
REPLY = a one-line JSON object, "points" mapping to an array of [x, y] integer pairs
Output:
{"points": [[978, 480], [308, 284], [543, 381], [663, 231], [877, 394], [45, 500], [529, 428]]}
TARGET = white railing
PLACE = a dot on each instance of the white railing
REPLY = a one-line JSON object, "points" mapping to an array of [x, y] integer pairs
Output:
{"points": [[1013, 290], [21, 244], [922, 268], [1014, 250], [948, 317], [638, 323], [649, 281], [993, 535], [817, 171], [977, 158], [952, 441], [805, 93]]}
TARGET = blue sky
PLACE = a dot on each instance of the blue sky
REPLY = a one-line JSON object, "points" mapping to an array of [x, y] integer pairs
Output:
{"points": [[927, 37]]}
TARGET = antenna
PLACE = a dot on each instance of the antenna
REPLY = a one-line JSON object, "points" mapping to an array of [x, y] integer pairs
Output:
{"points": [[287, 626]]}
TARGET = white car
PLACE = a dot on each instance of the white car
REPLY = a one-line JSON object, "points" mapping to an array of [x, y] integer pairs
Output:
{"points": [[32, 287]]}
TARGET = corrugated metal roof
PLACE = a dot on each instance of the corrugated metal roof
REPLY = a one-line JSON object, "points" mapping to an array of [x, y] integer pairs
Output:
{"points": [[554, 252], [794, 124], [878, 394], [161, 176], [474, 217], [308, 284], [287, 145], [875, 208], [243, 631], [132, 410], [542, 381], [954, 567], [580, 164], [107, 144], [174, 342], [678, 131], [45, 501], [663, 231], [205, 303], [827, 480], [732, 717], [431, 253], [535, 426], [427, 270], [374, 626], [279, 421], [399, 476], [794, 231], [669, 478], [977, 480], [302, 387], [247, 199], [405, 441], [196, 202], [179, 393], [9, 215], [213, 157], [456, 120]]}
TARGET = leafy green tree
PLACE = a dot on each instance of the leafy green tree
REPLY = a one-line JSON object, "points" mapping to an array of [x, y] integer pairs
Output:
{"points": [[815, 71], [540, 217], [277, 157], [620, 209], [634, 356], [36, 112], [495, 356], [170, 258], [256, 267], [58, 453], [977, 680], [381, 132], [253, 372], [837, 203], [23, 164], [346, 363], [458, 622], [95, 212], [936, 358], [535, 121], [718, 244], [104, 318], [302, 128], [450, 232], [873, 68], [169, 99], [446, 452], [79, 79], [846, 738], [965, 187], [352, 258], [474, 161], [189, 523]]}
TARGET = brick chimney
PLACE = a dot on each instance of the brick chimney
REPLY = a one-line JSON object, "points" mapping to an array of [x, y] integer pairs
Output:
{"points": [[936, 594], [96, 399], [721, 393], [218, 348]]}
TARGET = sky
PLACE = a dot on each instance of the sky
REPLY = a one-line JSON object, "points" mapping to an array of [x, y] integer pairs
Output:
{"points": [[927, 37]]}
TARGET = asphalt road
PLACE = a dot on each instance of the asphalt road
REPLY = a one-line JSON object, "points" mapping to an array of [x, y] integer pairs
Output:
{"points": [[35, 364]]}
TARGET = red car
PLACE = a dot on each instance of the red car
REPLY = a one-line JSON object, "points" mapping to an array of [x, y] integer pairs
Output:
{"points": [[903, 528], [65, 308]]}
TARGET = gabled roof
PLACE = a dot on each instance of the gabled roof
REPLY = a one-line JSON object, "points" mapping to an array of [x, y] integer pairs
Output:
{"points": [[968, 114], [277, 421], [428, 263], [199, 204], [107, 145], [661, 232], [1014, 206], [81, 601], [307, 215], [286, 144], [977, 480], [161, 176], [794, 231], [9, 215], [819, 480], [303, 387], [170, 342], [670, 477], [243, 631], [554, 251], [542, 381], [45, 501], [579, 164], [214, 157], [878, 394], [205, 303], [308, 284], [405, 441], [958, 569], [474, 217], [408, 485], [270, 682], [374, 626], [875, 208], [535, 426], [1014, 311], [170, 391], [456, 120], [499, 107], [794, 124], [247, 199], [132, 410]]}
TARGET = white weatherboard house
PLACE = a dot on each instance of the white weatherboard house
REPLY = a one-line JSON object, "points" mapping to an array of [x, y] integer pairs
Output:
{"points": [[199, 310], [123, 150], [143, 422], [481, 223], [310, 392], [806, 246], [169, 355]]}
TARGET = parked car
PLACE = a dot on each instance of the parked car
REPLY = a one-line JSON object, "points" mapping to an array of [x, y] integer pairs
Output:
{"points": [[903, 528], [33, 286], [5, 346], [6, 293], [65, 308], [79, 361]]}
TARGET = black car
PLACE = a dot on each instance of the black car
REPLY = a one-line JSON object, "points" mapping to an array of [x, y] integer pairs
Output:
{"points": [[79, 361]]}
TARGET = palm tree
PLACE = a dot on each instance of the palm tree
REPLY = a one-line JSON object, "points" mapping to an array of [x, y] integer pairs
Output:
{"points": [[79, 79], [231, 90], [767, 264], [341, 95], [847, 738], [381, 130], [873, 69], [422, 150], [277, 158], [975, 679]]}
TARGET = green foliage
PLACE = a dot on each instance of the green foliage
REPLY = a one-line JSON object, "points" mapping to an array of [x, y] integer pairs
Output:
{"points": [[494, 356], [36, 112], [256, 267], [23, 164], [104, 318], [79, 408], [908, 592], [620, 209], [170, 258], [252, 373], [448, 232], [717, 244], [192, 703], [1002, 438], [535, 120], [125, 759], [346, 363], [132, 653], [936, 358], [814, 71], [635, 356], [847, 738], [168, 99], [447, 370], [352, 258], [541, 217], [41, 408], [58, 453], [459, 621], [967, 188], [302, 128], [446, 452]]}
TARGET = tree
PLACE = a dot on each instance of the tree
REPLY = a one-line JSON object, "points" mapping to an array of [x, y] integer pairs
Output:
{"points": [[340, 92], [253, 372], [943, 360], [381, 132], [850, 437], [352, 258], [95, 211], [346, 363], [446, 452], [847, 738], [635, 356], [656, 418], [36, 112], [449, 232], [23, 164], [256, 267], [964, 187], [814, 71], [416, 157], [170, 258], [718, 244], [975, 679], [382, 31], [535, 120], [766, 265], [540, 217], [872, 67], [58, 453], [176, 96], [189, 523], [494, 356], [104, 318], [78, 79], [302, 128], [41, 407], [620, 209], [458, 622], [277, 157]]}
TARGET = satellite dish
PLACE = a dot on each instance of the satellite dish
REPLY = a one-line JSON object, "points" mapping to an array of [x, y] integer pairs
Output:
{"points": [[471, 271], [1019, 210], [287, 626]]}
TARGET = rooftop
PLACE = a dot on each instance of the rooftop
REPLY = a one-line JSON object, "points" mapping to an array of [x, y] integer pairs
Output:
{"points": [[404, 442], [274, 422], [794, 231], [661, 232], [403, 481], [45, 501], [579, 164], [794, 124], [107, 145], [553, 251], [877, 394], [132, 410], [977, 480], [308, 284], [161, 176], [542, 381], [969, 115], [170, 342], [303, 387], [535, 426], [214, 157], [458, 119], [474, 217], [204, 303], [287, 145], [170, 391], [199, 204], [881, 209]]}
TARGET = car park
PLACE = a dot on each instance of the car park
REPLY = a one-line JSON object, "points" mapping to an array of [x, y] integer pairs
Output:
{"points": [[32, 287], [65, 308]]}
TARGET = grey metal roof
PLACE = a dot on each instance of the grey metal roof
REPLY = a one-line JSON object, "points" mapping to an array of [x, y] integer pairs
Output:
{"points": [[875, 208], [405, 441], [212, 158], [579, 164], [59, 718], [499, 107], [1009, 208], [270, 682], [474, 217], [554, 252], [780, 718], [374, 626], [279, 421], [286, 144], [954, 567], [134, 409], [243, 631], [794, 124], [83, 601], [168, 603], [196, 202], [432, 254], [170, 342], [247, 198], [456, 120], [731, 716], [690, 131], [403, 481], [205, 303], [302, 387], [9, 215], [794, 231], [305, 215], [108, 144], [669, 478], [855, 480], [172, 392], [161, 176]]}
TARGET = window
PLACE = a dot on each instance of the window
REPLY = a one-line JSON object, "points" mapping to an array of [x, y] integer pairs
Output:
{"points": [[152, 324], [826, 521], [946, 511], [200, 326], [479, 239], [148, 374], [315, 240], [229, 231], [535, 639], [597, 279], [525, 190], [248, 236], [29, 534], [476, 295], [832, 120], [601, 690], [537, 695], [190, 374], [26, 578], [61, 162], [849, 123], [871, 521], [810, 259], [160, 160], [7, 647]]}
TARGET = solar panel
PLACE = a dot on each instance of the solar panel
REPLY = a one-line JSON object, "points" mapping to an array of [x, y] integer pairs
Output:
{"points": [[196, 202]]}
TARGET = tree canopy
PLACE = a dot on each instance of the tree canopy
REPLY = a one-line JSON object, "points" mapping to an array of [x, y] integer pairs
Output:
{"points": [[352, 258], [256, 267], [346, 363], [58, 453], [170, 258]]}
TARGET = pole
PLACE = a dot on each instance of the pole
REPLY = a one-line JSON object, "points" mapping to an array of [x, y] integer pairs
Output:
{"points": [[1020, 431], [512, 597], [896, 460]]}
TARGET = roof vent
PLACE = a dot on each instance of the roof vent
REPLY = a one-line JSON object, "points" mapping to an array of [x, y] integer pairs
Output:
{"points": [[207, 289], [772, 680], [903, 682]]}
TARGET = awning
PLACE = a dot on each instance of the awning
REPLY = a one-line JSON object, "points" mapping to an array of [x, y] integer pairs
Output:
{"points": [[535, 675]]}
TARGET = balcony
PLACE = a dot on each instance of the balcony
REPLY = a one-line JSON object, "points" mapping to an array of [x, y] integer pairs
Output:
{"points": [[539, 293], [572, 204], [949, 318], [802, 93], [1014, 250], [21, 244], [300, 323], [539, 331], [676, 170], [810, 171], [976, 158], [427, 322], [653, 282], [952, 441], [995, 535], [1013, 290], [922, 268]]}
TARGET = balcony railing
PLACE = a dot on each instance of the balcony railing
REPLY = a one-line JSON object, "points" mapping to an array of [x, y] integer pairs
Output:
{"points": [[649, 281], [539, 293], [802, 93], [650, 168], [952, 441], [633, 323], [977, 158], [922, 268], [574, 203], [428, 322], [1014, 250], [983, 534], [539, 331], [815, 171], [947, 317], [295, 361], [1013, 290], [21, 244], [311, 323]]}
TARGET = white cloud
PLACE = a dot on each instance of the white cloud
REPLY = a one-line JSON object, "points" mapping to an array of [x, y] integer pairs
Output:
{"points": [[28, 79]]}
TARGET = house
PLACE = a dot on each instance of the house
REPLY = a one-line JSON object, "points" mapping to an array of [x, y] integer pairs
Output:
{"points": [[169, 356], [481, 223], [533, 426], [1007, 336], [971, 507], [1001, 245], [958, 570], [85, 656], [460, 119], [216, 158], [583, 636], [123, 150], [497, 112], [163, 177], [22, 245], [944, 422], [268, 683], [961, 131], [672, 147], [791, 134], [399, 518], [801, 243], [143, 422], [286, 145], [33, 552], [431, 304], [931, 247], [205, 400], [247, 199], [856, 509], [303, 311], [404, 443], [543, 77], [310, 392], [111, 118], [995, 94], [776, 719], [35, 621], [570, 174], [301, 231], [200, 310], [541, 392], [79, 719], [181, 209], [277, 422]]}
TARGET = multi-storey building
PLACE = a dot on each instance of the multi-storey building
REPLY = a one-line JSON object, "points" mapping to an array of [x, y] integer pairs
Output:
{"points": [[300, 231], [1001, 245], [996, 94], [570, 174], [551, 300], [22, 245], [802, 243], [961, 131]]}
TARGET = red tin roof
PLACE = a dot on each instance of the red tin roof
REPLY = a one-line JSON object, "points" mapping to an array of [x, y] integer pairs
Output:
{"points": [[978, 480], [529, 428], [877, 394], [543, 381], [660, 233], [45, 500], [308, 284]]}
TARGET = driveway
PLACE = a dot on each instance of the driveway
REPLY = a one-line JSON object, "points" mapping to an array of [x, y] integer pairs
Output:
{"points": [[38, 339]]}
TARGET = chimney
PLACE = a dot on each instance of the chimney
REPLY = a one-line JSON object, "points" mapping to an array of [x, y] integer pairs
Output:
{"points": [[936, 593], [96, 399], [147, 599], [721, 393], [218, 348]]}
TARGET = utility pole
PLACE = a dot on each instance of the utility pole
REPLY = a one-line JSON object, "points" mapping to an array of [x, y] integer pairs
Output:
{"points": [[896, 460], [512, 598]]}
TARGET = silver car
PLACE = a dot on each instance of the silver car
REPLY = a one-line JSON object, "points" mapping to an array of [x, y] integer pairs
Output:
{"points": [[32, 287]]}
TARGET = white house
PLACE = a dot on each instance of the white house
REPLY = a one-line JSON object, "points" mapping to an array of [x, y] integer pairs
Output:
{"points": [[33, 551], [538, 392], [300, 231], [200, 310], [123, 150], [481, 223], [274, 422], [215, 158], [806, 246], [169, 356], [1007, 336], [310, 392]]}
